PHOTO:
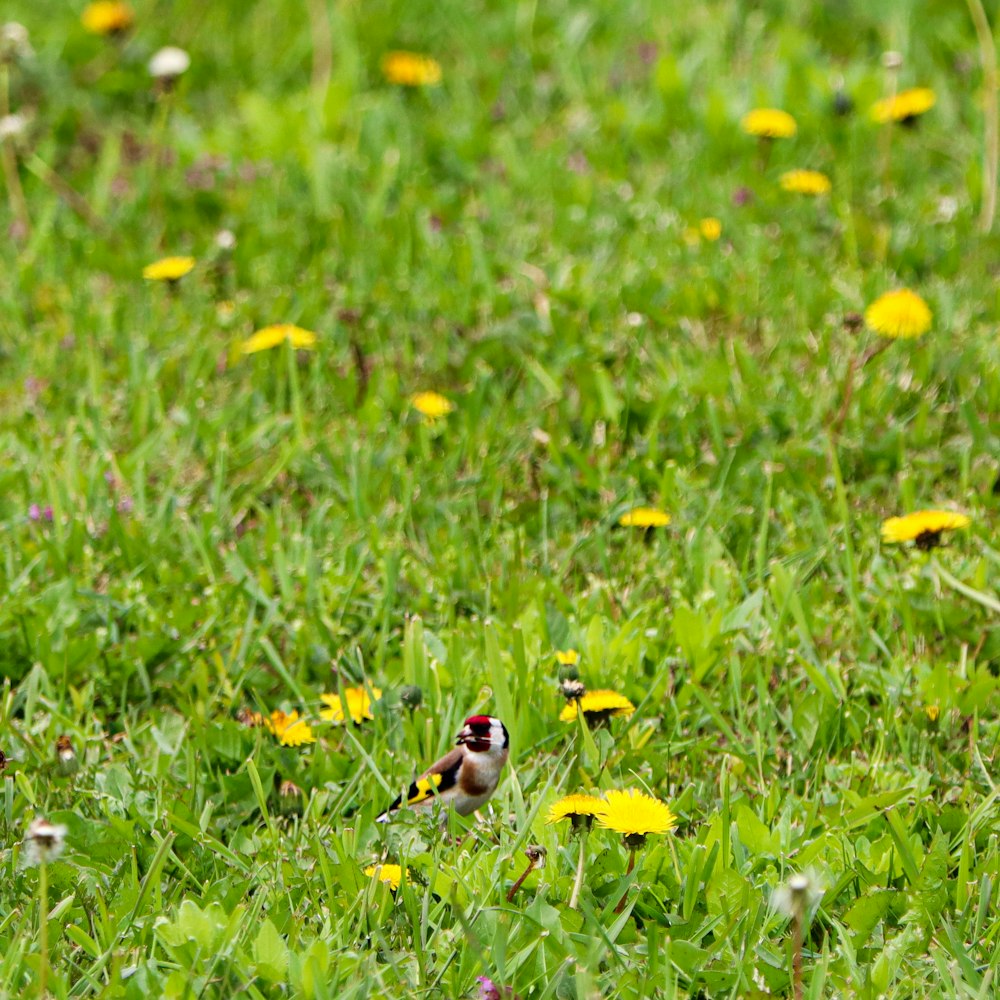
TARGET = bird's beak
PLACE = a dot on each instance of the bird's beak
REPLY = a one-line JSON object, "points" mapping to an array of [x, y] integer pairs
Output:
{"points": [[464, 736]]}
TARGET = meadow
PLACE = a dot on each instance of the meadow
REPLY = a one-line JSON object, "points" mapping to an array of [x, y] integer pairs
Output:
{"points": [[365, 367]]}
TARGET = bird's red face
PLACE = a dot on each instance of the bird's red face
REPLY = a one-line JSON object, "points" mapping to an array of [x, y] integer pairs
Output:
{"points": [[483, 734]]}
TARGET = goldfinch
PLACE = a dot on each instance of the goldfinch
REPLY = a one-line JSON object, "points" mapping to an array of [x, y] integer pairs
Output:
{"points": [[465, 778]]}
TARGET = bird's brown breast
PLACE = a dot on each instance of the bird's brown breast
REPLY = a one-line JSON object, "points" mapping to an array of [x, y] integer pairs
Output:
{"points": [[472, 783]]}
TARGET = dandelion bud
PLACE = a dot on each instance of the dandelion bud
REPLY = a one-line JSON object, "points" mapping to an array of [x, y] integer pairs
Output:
{"points": [[535, 854], [250, 718], [319, 655], [291, 799], [843, 104], [536, 859], [569, 672], [67, 762], [411, 696]]}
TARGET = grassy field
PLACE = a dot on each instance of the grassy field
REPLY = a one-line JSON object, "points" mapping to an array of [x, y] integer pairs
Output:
{"points": [[572, 238]]}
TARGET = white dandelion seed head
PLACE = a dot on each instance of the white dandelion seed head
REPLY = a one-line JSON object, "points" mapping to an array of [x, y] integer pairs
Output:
{"points": [[797, 895], [14, 43], [169, 63], [43, 842], [947, 208], [13, 127]]}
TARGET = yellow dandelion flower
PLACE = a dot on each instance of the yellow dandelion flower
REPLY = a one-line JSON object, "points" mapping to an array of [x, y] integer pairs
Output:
{"points": [[168, 269], [107, 17], [411, 69], [769, 123], [567, 657], [924, 527], [636, 814], [432, 405], [272, 336], [710, 229], [575, 807], [805, 182], [903, 107], [932, 712], [900, 314], [597, 706], [392, 874], [291, 730], [644, 517], [359, 704]]}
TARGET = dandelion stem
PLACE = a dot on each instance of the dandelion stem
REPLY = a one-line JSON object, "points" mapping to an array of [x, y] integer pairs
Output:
{"points": [[12, 179], [322, 55], [852, 369], [991, 114], [628, 871], [797, 952], [532, 861], [581, 861], [296, 393], [363, 367], [892, 80], [43, 926], [846, 396], [72, 197], [764, 144]]}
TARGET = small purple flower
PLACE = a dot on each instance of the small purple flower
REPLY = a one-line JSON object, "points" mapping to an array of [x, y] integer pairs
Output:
{"points": [[125, 505], [577, 162], [488, 990], [742, 196], [647, 53], [36, 513]]}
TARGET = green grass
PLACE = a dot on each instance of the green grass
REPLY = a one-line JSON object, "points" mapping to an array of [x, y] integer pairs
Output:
{"points": [[234, 533]]}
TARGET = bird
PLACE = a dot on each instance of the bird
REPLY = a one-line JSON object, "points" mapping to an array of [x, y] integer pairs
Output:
{"points": [[465, 777]]}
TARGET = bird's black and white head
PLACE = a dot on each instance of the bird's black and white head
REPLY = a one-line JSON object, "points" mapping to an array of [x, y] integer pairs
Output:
{"points": [[484, 734]]}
